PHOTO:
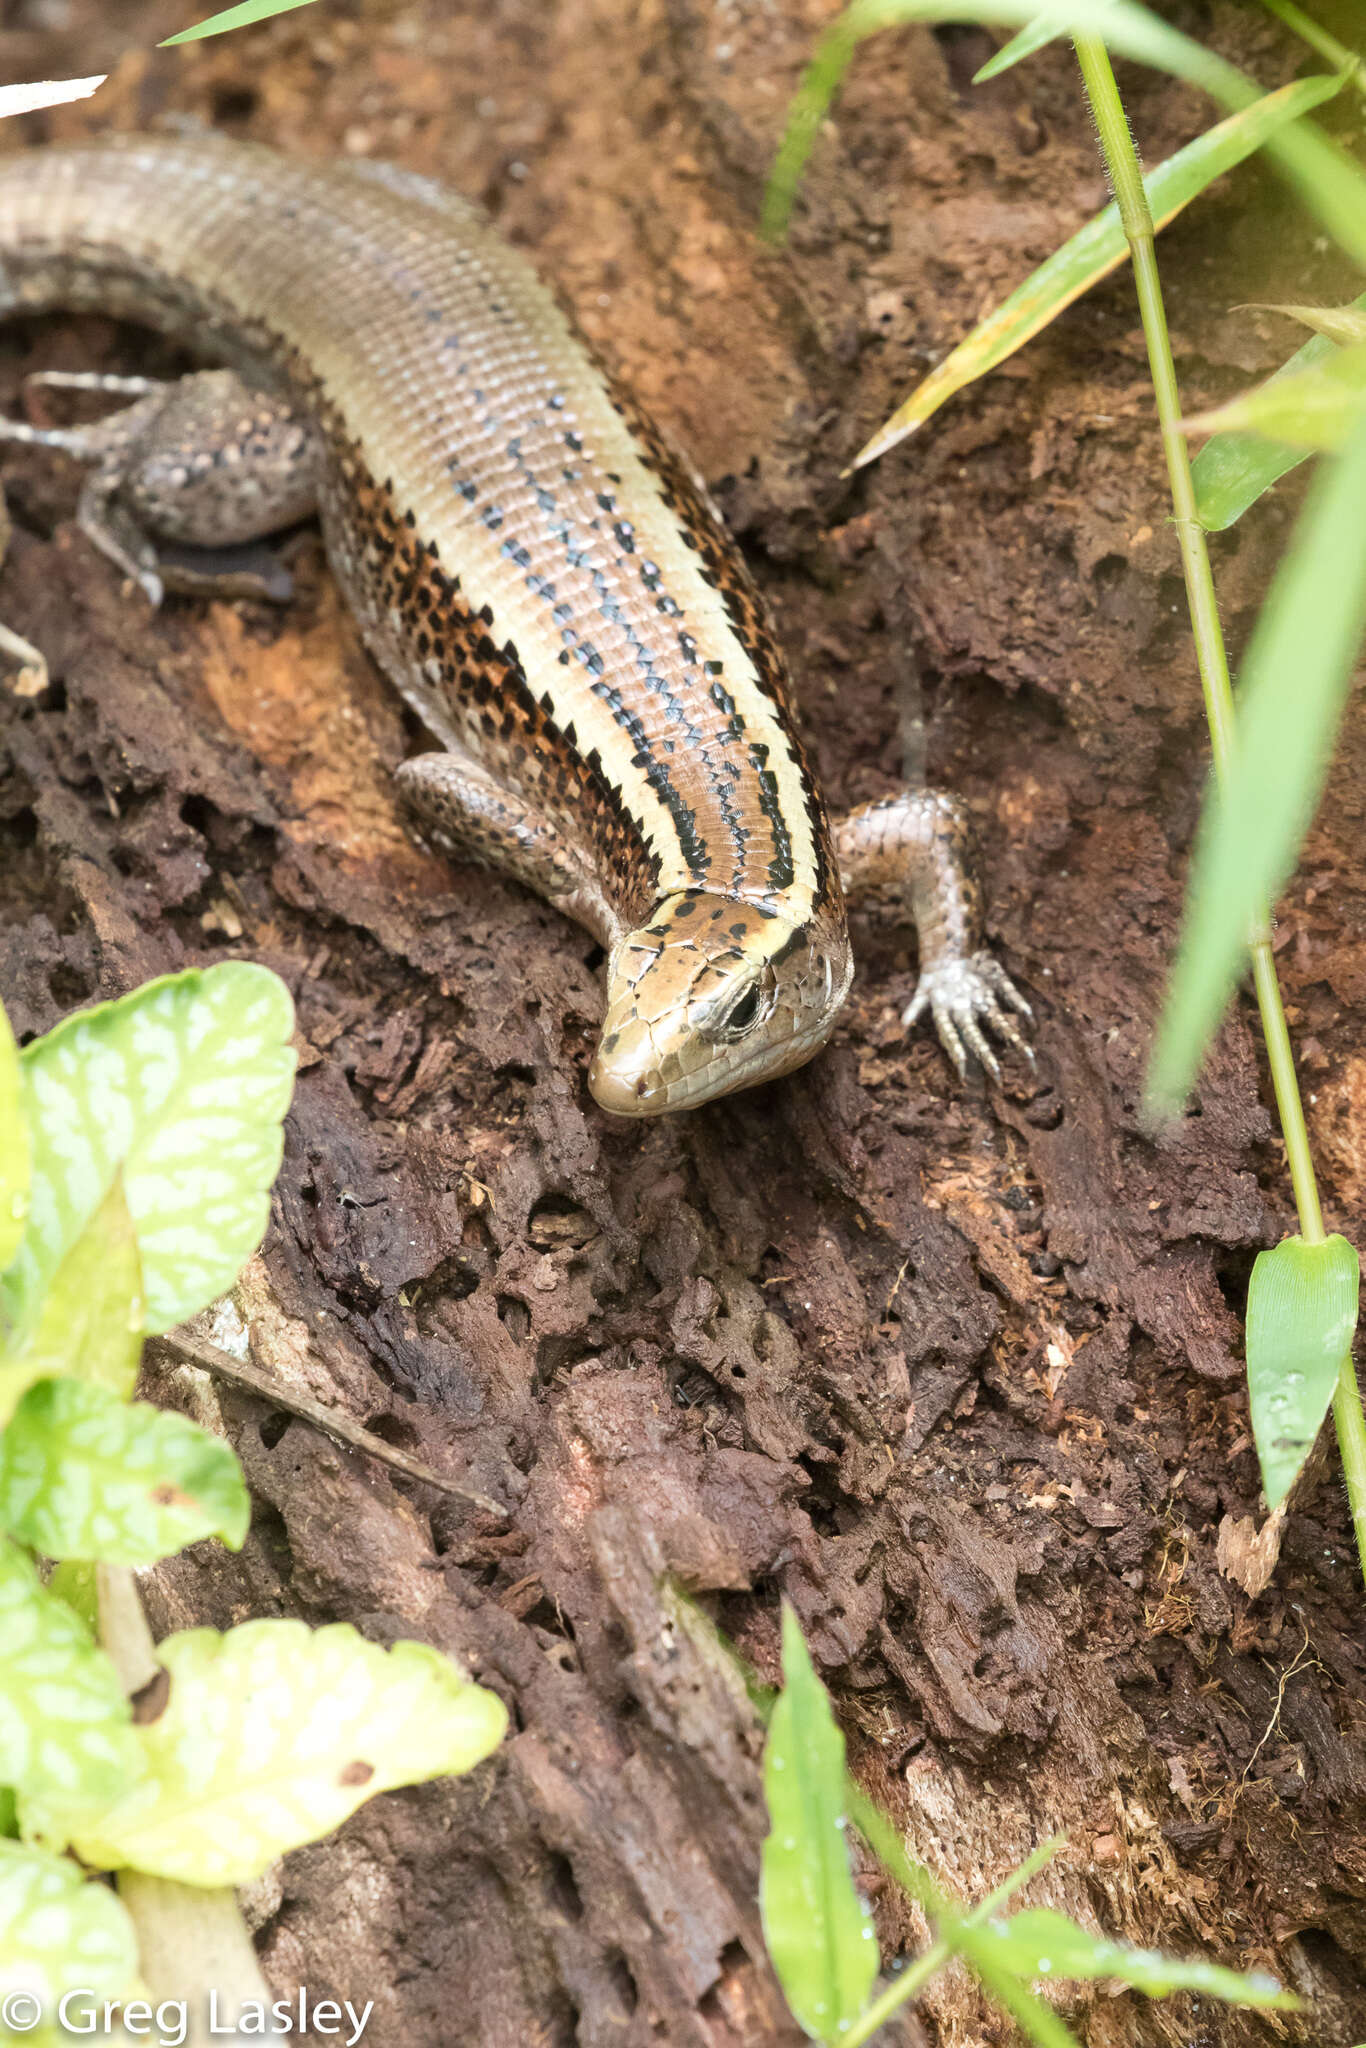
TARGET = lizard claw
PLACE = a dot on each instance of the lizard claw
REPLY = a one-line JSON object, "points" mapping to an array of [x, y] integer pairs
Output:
{"points": [[962, 995], [152, 586]]}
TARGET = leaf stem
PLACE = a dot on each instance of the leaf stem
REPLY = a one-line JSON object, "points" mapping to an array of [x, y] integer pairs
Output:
{"points": [[192, 1941], [958, 1938], [894, 1995], [1288, 1105], [1121, 160], [1122, 163], [1350, 1424], [1319, 39]]}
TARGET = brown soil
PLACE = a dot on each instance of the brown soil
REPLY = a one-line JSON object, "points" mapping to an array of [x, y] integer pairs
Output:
{"points": [[956, 1373]]}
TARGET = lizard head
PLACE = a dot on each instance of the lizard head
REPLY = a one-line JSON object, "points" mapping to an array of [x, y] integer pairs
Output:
{"points": [[713, 994]]}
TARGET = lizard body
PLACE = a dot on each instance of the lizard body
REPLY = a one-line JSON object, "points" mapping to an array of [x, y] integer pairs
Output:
{"points": [[533, 567]]}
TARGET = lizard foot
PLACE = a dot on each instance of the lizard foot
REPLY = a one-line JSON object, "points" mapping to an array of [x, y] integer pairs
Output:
{"points": [[961, 996]]}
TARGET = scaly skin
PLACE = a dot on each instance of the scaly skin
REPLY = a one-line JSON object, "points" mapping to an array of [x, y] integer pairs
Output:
{"points": [[536, 571]]}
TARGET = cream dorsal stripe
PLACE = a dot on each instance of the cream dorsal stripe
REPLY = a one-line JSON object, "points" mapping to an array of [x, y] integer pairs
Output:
{"points": [[475, 403], [529, 562]]}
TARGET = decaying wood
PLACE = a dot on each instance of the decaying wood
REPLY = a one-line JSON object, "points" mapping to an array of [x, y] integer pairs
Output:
{"points": [[957, 1376]]}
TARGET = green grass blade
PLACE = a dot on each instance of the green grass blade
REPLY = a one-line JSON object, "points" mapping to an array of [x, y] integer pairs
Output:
{"points": [[233, 17], [1295, 679], [889, 1848], [1126, 26], [1233, 470], [1036, 37], [1034, 2017], [818, 1931], [1093, 252], [1342, 324], [1318, 38], [1330, 184], [1039, 1943], [1316, 409], [1301, 1317]]}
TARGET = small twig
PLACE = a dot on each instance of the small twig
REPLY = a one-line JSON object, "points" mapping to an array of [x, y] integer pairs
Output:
{"points": [[182, 1350]]}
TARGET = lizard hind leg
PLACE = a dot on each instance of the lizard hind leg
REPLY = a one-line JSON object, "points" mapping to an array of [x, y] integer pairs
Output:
{"points": [[476, 817], [916, 846], [204, 462]]}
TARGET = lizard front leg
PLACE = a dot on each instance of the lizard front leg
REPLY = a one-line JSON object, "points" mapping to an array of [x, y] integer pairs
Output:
{"points": [[206, 462], [480, 819], [917, 847]]}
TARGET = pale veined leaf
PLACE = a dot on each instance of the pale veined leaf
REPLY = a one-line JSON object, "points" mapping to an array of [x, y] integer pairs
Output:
{"points": [[181, 1086], [271, 1735], [84, 1474]]}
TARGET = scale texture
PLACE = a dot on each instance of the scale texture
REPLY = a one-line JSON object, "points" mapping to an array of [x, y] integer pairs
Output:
{"points": [[537, 572]]}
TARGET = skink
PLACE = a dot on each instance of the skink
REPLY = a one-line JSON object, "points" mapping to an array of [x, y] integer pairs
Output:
{"points": [[531, 564]]}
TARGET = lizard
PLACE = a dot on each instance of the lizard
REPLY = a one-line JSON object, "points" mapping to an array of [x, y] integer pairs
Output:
{"points": [[533, 566]]}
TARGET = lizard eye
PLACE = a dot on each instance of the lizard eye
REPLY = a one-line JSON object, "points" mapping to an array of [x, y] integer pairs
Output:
{"points": [[750, 1008], [745, 1014]]}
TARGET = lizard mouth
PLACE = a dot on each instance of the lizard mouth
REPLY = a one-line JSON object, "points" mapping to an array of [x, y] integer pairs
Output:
{"points": [[658, 1085], [654, 1066]]}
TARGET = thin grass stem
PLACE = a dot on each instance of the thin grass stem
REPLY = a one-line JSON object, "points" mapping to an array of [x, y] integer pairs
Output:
{"points": [[1319, 39], [1121, 160]]}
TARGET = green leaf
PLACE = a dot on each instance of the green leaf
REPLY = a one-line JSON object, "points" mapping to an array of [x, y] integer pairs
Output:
{"points": [[1041, 1943], [89, 1324], [1342, 324], [1129, 30], [818, 1931], [60, 1932], [86, 1475], [1330, 184], [1092, 253], [65, 1726], [1319, 39], [1035, 2018], [272, 1734], [1232, 471], [1295, 679], [1036, 37], [233, 17], [183, 1086], [14, 1149], [1317, 408], [1301, 1318], [75, 1583]]}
